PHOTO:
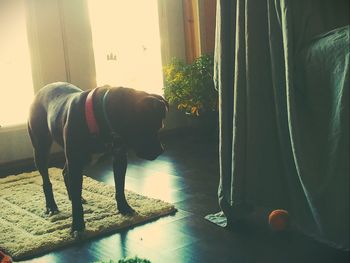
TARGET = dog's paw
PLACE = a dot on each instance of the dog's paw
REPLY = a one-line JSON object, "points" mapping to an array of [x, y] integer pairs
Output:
{"points": [[77, 234], [77, 228], [51, 211], [126, 210]]}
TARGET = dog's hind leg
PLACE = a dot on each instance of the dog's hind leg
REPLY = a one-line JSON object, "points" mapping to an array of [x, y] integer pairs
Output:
{"points": [[42, 141], [66, 180]]}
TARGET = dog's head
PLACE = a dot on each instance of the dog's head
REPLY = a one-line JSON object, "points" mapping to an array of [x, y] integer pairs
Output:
{"points": [[142, 121], [149, 115], [138, 116]]}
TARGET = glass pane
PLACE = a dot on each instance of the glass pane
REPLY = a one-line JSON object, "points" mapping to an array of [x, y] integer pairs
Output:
{"points": [[16, 89], [127, 44]]}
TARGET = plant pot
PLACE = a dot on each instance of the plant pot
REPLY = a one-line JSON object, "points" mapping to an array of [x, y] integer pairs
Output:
{"points": [[206, 124]]}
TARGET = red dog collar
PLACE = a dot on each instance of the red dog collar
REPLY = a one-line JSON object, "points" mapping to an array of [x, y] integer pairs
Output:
{"points": [[90, 114]]}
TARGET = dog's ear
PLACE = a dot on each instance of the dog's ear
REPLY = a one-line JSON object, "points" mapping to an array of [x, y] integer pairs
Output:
{"points": [[155, 104], [162, 99]]}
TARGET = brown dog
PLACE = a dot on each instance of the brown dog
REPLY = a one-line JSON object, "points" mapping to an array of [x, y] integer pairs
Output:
{"points": [[102, 120]]}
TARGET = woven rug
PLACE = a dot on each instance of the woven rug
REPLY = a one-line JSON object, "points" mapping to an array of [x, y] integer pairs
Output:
{"points": [[25, 231]]}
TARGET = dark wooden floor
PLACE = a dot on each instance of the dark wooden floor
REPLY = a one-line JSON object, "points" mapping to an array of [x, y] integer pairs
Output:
{"points": [[187, 176]]}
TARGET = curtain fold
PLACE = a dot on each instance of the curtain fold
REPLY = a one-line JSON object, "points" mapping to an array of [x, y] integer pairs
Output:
{"points": [[265, 134]]}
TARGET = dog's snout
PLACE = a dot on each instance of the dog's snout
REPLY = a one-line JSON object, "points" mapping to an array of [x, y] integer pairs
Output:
{"points": [[162, 149], [151, 155]]}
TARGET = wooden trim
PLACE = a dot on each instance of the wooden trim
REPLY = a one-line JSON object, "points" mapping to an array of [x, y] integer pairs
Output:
{"points": [[209, 25], [191, 24]]}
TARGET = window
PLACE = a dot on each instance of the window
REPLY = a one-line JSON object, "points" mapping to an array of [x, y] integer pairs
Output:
{"points": [[16, 89], [126, 43]]}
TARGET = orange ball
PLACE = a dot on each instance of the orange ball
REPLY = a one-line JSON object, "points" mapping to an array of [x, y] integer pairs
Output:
{"points": [[5, 258], [279, 220]]}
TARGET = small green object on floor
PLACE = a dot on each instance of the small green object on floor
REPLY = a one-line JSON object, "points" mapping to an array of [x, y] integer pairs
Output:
{"points": [[133, 260], [128, 260]]}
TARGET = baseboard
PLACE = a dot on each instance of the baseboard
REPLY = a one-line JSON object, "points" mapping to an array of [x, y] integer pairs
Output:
{"points": [[27, 165]]}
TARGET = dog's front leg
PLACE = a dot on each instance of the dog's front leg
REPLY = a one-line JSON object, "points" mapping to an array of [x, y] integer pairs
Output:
{"points": [[75, 178], [119, 168]]}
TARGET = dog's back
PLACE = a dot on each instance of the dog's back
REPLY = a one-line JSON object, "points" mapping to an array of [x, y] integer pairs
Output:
{"points": [[55, 94], [54, 99]]}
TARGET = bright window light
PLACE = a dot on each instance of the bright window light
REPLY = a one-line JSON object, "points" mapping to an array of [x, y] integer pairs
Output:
{"points": [[126, 43], [16, 78]]}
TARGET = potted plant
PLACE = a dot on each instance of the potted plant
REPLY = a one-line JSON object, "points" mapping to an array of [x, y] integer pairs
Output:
{"points": [[190, 87]]}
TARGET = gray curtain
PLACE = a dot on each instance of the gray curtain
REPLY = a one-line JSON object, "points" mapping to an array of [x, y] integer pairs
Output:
{"points": [[284, 130]]}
